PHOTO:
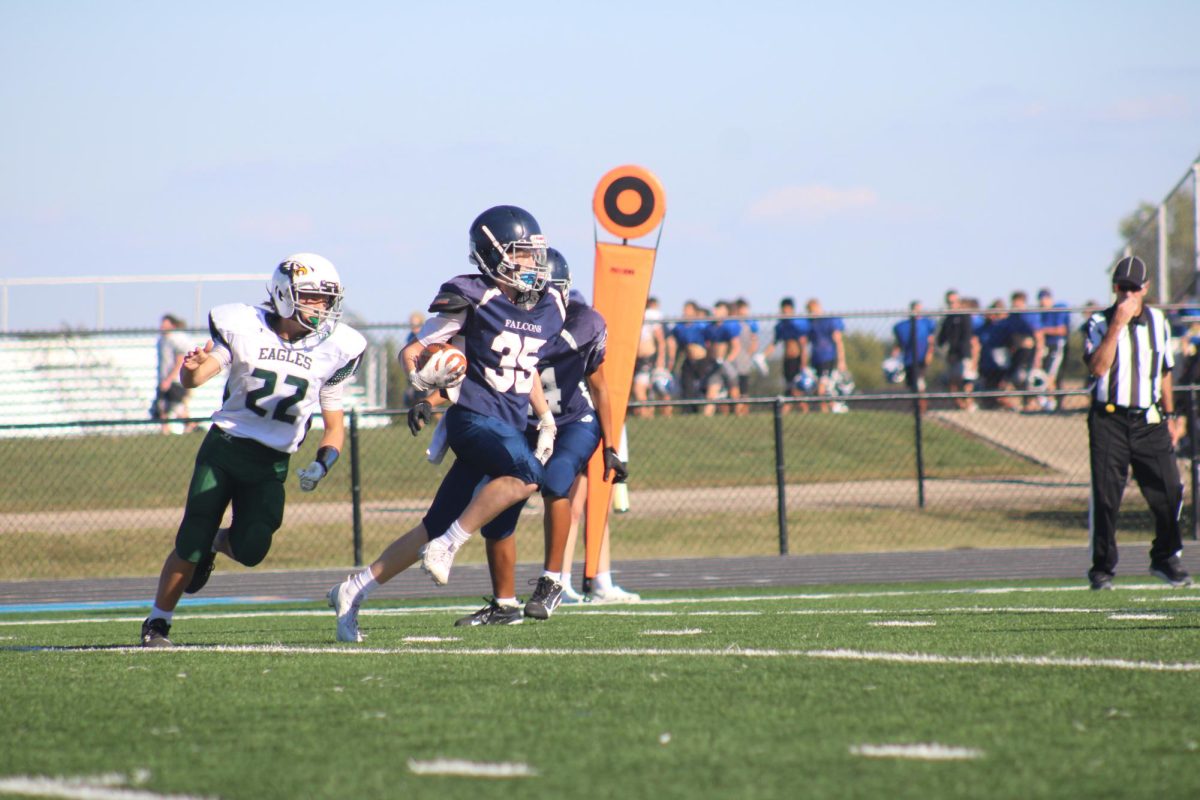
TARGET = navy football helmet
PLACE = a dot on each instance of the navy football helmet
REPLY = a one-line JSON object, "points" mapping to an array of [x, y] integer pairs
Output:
{"points": [[507, 245], [560, 272]]}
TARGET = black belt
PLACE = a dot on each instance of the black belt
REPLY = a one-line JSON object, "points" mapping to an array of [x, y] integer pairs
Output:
{"points": [[1120, 411]]}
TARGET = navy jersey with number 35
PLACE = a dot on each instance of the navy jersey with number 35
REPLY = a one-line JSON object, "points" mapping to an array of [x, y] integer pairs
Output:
{"points": [[502, 341]]}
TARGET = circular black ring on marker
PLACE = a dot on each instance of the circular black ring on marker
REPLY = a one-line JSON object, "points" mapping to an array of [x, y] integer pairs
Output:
{"points": [[644, 210]]}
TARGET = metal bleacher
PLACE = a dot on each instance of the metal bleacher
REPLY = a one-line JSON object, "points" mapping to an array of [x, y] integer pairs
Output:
{"points": [[59, 378]]}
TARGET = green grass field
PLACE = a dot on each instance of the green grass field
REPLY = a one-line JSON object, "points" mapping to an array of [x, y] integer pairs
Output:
{"points": [[687, 451], [101, 505], [1014, 691]]}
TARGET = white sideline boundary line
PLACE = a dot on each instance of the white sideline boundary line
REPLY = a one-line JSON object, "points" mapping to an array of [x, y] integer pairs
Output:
{"points": [[734, 651], [627, 611]]}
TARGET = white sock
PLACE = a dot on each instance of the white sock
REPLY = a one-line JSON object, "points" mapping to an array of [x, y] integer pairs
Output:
{"points": [[457, 534], [158, 613], [602, 581], [566, 577], [507, 602], [554, 576], [363, 582]]}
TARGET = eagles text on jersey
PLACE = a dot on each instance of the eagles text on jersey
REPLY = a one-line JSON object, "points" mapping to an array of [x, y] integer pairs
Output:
{"points": [[274, 386]]}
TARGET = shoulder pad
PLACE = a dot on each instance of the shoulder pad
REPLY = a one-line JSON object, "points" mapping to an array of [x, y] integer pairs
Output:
{"points": [[589, 326], [348, 340], [458, 293], [448, 303], [232, 318]]}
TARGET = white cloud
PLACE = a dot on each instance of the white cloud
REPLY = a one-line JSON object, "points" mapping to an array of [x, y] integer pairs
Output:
{"points": [[811, 203]]}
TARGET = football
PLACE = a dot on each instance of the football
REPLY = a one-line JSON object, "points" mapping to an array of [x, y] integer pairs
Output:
{"points": [[444, 355]]}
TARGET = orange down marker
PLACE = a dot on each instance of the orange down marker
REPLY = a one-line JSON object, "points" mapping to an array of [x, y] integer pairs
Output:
{"points": [[628, 203]]}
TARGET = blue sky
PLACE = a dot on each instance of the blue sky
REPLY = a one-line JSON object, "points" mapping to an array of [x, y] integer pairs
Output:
{"points": [[864, 153]]}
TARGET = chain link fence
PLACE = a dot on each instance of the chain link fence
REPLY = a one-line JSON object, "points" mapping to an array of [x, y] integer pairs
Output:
{"points": [[758, 479], [1166, 241]]}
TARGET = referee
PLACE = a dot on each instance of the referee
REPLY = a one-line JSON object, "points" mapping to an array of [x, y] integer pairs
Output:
{"points": [[1127, 347]]}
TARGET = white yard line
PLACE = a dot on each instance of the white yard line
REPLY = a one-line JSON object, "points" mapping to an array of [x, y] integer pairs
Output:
{"points": [[471, 769], [631, 652], [922, 752], [99, 787], [666, 601]]}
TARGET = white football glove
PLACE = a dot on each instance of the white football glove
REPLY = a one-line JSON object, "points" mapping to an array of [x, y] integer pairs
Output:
{"points": [[547, 430], [437, 375], [311, 475]]}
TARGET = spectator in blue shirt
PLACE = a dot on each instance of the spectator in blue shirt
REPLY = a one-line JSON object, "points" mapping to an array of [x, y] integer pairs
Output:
{"points": [[1054, 325], [691, 352], [1024, 344], [721, 338], [914, 339], [995, 356], [792, 336], [828, 351]]}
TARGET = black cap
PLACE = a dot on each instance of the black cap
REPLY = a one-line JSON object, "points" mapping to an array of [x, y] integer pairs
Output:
{"points": [[1131, 269]]}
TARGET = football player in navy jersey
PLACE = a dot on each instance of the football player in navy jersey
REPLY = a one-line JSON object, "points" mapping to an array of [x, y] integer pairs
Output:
{"points": [[500, 318], [572, 370]]}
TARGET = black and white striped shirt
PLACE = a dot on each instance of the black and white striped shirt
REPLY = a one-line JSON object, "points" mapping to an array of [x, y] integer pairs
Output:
{"points": [[1143, 355]]}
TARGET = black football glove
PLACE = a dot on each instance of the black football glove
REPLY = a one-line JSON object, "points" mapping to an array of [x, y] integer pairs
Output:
{"points": [[419, 416], [614, 464]]}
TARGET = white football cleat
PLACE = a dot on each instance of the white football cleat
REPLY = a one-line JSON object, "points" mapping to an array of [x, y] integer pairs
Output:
{"points": [[437, 557], [347, 612], [614, 594], [569, 595]]}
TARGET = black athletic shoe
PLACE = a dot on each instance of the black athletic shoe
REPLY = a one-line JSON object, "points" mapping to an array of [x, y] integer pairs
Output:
{"points": [[154, 633], [492, 614], [1100, 580], [204, 568], [1172, 573], [546, 597]]}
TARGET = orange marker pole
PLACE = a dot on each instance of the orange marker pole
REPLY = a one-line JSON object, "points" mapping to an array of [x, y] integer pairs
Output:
{"points": [[629, 203]]}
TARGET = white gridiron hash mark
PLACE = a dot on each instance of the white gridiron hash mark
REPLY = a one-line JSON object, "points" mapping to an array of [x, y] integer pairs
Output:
{"points": [[1140, 616], [931, 751], [904, 623], [98, 787], [424, 639], [470, 769], [680, 632]]}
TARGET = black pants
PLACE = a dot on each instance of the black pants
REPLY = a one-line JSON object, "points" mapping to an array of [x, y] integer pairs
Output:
{"points": [[1118, 441]]}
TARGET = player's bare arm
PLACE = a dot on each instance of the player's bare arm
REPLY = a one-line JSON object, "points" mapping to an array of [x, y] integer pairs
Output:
{"points": [[198, 366]]}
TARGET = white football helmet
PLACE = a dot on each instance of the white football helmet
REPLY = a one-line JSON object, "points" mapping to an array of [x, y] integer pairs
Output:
{"points": [[308, 274], [893, 370]]}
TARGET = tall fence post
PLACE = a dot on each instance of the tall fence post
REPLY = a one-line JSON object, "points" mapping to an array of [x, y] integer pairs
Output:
{"points": [[356, 488], [1193, 452], [915, 385], [780, 479]]}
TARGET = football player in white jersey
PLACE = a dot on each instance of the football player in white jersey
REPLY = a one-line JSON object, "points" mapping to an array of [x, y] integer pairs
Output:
{"points": [[286, 359]]}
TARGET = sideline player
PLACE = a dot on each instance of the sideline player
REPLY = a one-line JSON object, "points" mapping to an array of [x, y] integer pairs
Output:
{"points": [[503, 316], [652, 357], [285, 358], [572, 370]]}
